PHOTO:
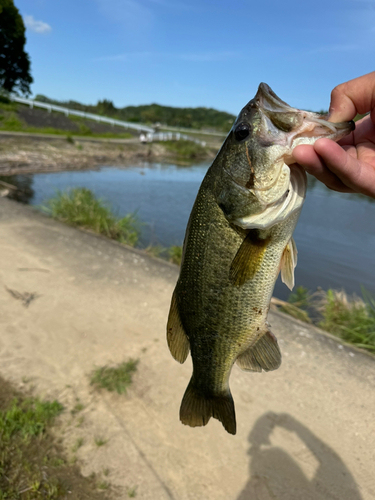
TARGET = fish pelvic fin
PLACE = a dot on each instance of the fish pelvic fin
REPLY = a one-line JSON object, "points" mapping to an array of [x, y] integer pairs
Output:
{"points": [[177, 339], [288, 264], [264, 355], [248, 258], [197, 408]]}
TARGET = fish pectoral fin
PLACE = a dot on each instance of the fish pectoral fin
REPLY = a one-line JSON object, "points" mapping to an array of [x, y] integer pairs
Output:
{"points": [[264, 355], [288, 264], [248, 258], [177, 339]]}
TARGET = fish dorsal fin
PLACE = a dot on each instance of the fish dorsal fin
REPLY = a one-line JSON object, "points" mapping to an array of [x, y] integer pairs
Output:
{"points": [[264, 355], [248, 258], [288, 264], [177, 339]]}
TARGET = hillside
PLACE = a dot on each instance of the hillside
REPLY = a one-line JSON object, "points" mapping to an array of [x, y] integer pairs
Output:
{"points": [[195, 118]]}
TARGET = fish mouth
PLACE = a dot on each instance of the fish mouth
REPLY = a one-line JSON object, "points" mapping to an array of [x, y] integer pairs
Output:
{"points": [[290, 126], [278, 129], [287, 127]]}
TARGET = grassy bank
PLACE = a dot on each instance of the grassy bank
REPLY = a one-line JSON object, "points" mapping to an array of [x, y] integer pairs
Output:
{"points": [[17, 118], [11, 123], [186, 150], [79, 207], [350, 318], [32, 464]]}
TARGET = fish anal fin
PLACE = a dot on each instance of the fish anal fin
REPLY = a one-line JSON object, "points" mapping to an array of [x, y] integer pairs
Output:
{"points": [[248, 258], [264, 355], [288, 264], [197, 408], [177, 339]]}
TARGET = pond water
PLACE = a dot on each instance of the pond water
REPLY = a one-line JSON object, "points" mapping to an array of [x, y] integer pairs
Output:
{"points": [[335, 235]]}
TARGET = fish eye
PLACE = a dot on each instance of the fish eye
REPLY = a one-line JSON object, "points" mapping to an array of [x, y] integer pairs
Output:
{"points": [[242, 131]]}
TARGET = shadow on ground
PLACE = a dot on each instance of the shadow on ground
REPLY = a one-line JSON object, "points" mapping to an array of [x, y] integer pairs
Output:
{"points": [[274, 473]]}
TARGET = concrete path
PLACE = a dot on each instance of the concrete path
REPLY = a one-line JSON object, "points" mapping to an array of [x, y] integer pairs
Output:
{"points": [[305, 431]]}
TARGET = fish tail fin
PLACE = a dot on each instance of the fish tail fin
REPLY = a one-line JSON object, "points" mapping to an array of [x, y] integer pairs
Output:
{"points": [[197, 409]]}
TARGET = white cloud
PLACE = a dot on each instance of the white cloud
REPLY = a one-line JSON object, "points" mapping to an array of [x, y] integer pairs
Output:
{"points": [[130, 13], [36, 26]]}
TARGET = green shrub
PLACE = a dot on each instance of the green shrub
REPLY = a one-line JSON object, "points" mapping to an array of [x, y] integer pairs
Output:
{"points": [[186, 149], [351, 319], [79, 207]]}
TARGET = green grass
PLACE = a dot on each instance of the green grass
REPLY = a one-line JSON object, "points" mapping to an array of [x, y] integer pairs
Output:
{"points": [[117, 378], [175, 254], [186, 149], [99, 441], [78, 444], [156, 251], [132, 492], [28, 457], [350, 318], [77, 408], [353, 320], [6, 105], [9, 121], [103, 485], [297, 305], [79, 207], [28, 418]]}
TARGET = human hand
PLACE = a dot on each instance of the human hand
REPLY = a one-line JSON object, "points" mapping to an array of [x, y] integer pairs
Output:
{"points": [[349, 165]]}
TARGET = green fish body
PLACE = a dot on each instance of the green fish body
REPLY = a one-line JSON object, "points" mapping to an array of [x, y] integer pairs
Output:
{"points": [[238, 238]]}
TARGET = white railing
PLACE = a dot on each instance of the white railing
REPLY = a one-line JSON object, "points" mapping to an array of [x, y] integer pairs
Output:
{"points": [[168, 136], [147, 134], [82, 114]]}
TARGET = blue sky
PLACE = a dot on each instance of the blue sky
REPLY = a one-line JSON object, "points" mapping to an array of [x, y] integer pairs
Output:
{"points": [[197, 53]]}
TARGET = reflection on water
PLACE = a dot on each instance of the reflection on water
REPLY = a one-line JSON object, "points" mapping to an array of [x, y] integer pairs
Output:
{"points": [[274, 473], [23, 191], [335, 235]]}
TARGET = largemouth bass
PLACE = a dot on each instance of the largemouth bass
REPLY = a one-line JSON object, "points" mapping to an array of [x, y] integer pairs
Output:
{"points": [[238, 239]]}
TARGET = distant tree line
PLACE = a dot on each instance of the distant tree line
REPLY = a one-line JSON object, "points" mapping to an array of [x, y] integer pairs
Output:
{"points": [[196, 118]]}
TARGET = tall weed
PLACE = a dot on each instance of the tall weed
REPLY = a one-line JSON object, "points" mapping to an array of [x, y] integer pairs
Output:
{"points": [[79, 207]]}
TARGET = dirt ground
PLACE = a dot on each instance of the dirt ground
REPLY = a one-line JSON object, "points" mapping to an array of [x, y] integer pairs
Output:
{"points": [[30, 153], [305, 431]]}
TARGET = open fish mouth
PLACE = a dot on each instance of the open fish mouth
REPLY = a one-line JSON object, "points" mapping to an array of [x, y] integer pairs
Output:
{"points": [[280, 188], [290, 126]]}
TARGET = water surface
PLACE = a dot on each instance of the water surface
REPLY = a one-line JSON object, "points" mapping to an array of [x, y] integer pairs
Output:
{"points": [[335, 235]]}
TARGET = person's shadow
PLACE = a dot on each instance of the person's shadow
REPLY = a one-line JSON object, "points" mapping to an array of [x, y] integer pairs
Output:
{"points": [[274, 474]]}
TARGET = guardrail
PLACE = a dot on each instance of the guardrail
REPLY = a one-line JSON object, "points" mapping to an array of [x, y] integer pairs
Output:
{"points": [[168, 136], [82, 114]]}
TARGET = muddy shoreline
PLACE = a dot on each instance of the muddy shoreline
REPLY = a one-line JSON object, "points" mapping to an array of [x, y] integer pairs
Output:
{"points": [[25, 154]]}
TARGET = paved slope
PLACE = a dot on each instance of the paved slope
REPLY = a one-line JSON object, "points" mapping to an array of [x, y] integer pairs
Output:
{"points": [[305, 431]]}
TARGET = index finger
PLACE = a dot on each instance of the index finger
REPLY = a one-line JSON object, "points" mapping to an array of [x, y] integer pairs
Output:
{"points": [[352, 97]]}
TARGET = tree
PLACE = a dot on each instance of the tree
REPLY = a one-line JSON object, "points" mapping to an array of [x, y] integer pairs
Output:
{"points": [[14, 61]]}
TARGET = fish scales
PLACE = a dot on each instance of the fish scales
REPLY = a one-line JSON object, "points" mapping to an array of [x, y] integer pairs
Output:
{"points": [[238, 237]]}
